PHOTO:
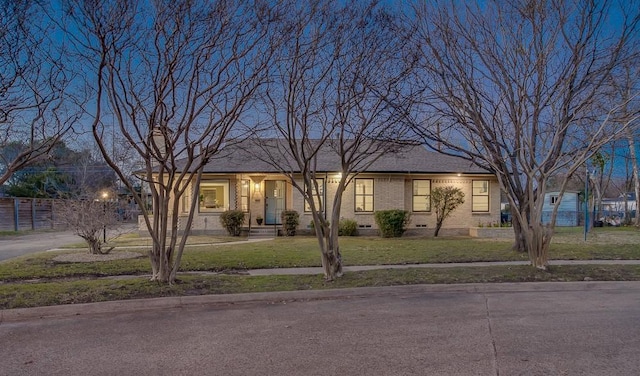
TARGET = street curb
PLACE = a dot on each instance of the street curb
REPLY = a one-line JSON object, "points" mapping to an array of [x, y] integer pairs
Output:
{"points": [[183, 302], [359, 268]]}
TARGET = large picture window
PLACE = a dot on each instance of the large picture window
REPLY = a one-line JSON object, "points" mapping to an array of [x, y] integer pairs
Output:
{"points": [[421, 195], [317, 196], [364, 195], [480, 196], [214, 196]]}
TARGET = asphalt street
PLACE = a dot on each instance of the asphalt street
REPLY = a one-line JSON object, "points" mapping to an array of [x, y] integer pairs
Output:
{"points": [[585, 328]]}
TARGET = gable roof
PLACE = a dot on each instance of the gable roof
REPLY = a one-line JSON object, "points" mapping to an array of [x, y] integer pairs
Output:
{"points": [[245, 157], [631, 196]]}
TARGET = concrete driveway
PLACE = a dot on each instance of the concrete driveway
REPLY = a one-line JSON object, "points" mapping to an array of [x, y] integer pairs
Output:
{"points": [[23, 244], [18, 245], [586, 328]]}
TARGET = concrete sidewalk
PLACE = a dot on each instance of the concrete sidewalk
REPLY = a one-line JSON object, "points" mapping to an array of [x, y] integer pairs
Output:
{"points": [[358, 268]]}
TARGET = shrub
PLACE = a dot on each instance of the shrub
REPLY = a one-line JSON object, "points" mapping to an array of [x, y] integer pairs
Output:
{"points": [[312, 227], [290, 221], [347, 227], [232, 220], [392, 223], [445, 200]]}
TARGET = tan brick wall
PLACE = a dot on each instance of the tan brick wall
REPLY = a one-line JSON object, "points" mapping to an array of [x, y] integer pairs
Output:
{"points": [[390, 192], [463, 216]]}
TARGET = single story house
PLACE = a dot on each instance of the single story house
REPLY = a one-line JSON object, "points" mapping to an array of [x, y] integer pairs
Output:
{"points": [[236, 179]]}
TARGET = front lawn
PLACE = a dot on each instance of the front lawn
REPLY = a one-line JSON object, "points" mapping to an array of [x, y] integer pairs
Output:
{"points": [[40, 280], [299, 251]]}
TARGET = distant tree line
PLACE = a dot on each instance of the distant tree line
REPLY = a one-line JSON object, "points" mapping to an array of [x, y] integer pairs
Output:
{"points": [[62, 173]]}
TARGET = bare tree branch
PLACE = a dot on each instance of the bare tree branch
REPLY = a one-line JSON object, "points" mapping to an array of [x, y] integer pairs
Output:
{"points": [[335, 94], [35, 112], [523, 89], [175, 78]]}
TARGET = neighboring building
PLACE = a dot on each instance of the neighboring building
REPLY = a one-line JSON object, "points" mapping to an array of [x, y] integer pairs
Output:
{"points": [[236, 180], [569, 212], [619, 206]]}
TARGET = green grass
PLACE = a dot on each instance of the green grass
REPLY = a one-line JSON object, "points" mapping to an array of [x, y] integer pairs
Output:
{"points": [[9, 234], [38, 279], [85, 291], [303, 252], [135, 240]]}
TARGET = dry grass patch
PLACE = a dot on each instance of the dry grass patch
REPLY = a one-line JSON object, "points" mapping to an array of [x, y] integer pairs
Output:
{"points": [[89, 257]]}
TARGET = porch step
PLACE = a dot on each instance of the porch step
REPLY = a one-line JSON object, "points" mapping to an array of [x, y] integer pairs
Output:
{"points": [[262, 232]]}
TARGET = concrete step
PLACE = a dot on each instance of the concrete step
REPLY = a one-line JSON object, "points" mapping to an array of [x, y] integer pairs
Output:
{"points": [[262, 232]]}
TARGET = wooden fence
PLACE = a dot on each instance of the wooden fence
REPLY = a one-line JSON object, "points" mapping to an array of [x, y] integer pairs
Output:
{"points": [[18, 214]]}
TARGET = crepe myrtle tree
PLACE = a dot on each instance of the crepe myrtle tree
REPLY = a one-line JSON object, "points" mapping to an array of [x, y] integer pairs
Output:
{"points": [[523, 89], [334, 95], [172, 80], [89, 218]]}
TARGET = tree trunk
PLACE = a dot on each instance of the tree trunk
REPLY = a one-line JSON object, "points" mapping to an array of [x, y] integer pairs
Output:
{"points": [[438, 227], [636, 177], [531, 235], [161, 264], [331, 257], [331, 260], [94, 245], [519, 244], [538, 241]]}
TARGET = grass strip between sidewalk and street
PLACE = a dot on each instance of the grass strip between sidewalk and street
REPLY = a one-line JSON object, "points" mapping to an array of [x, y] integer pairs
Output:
{"points": [[97, 290]]}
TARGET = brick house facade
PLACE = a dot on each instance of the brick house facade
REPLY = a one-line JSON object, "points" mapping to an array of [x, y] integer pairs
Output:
{"points": [[400, 180]]}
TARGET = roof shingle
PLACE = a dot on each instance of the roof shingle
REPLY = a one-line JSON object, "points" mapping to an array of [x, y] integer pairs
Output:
{"points": [[243, 158]]}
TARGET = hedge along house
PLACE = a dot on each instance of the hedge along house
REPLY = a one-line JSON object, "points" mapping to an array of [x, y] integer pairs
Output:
{"points": [[236, 180]]}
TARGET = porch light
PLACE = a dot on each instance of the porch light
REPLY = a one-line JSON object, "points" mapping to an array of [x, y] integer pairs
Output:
{"points": [[105, 196], [256, 187], [459, 174]]}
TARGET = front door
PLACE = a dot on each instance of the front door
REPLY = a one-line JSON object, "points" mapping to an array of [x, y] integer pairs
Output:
{"points": [[274, 197]]}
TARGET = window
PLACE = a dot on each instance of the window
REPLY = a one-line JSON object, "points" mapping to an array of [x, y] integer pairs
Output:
{"points": [[214, 196], [480, 196], [318, 197], [364, 195], [422, 195], [245, 187], [554, 199]]}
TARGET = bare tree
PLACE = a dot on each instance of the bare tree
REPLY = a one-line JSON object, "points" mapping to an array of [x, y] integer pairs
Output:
{"points": [[331, 98], [177, 77], [523, 89], [602, 162], [445, 200], [34, 110], [89, 219], [627, 85]]}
